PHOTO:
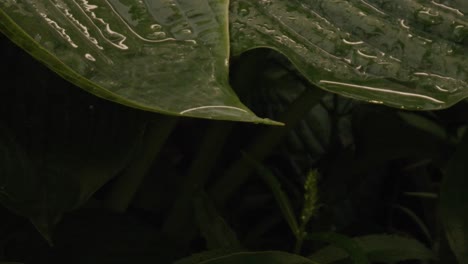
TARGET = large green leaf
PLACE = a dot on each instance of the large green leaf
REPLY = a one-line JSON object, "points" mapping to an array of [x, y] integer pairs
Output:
{"points": [[165, 56], [172, 56], [409, 54], [347, 244], [379, 248]]}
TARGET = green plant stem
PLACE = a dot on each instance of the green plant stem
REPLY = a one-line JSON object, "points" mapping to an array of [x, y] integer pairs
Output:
{"points": [[415, 218], [298, 245], [240, 170], [179, 223], [300, 235], [127, 184], [281, 197]]}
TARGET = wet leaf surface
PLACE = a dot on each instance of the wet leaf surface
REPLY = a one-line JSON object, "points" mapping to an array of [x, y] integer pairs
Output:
{"points": [[165, 56], [408, 54]]}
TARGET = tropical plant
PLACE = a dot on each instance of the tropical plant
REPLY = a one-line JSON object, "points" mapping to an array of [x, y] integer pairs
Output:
{"points": [[130, 180]]}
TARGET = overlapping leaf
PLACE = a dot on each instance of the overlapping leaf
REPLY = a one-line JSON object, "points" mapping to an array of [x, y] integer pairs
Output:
{"points": [[409, 54]]}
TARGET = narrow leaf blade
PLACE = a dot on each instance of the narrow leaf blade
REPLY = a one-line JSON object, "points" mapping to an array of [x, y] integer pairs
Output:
{"points": [[217, 233], [281, 198]]}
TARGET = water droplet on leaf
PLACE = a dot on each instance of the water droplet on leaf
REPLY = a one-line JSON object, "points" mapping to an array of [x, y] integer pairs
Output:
{"points": [[157, 35], [244, 12], [156, 27]]}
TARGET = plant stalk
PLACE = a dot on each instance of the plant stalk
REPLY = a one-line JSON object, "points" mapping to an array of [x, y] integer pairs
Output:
{"points": [[179, 223], [126, 185], [300, 236]]}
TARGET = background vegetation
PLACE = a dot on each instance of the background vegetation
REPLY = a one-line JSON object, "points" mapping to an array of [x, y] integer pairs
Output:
{"points": [[103, 183]]}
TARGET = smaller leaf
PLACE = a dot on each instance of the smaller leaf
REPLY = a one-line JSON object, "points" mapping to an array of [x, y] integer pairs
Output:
{"points": [[416, 219], [426, 195], [215, 230], [425, 124], [281, 198], [379, 248], [350, 246], [20, 188], [68, 152], [267, 257]]}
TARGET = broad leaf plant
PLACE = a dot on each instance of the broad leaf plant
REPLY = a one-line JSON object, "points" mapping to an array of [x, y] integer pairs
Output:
{"points": [[173, 57]]}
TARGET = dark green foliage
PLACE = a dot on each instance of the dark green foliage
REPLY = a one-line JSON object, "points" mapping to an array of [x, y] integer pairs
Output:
{"points": [[63, 152], [377, 248], [454, 202]]}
